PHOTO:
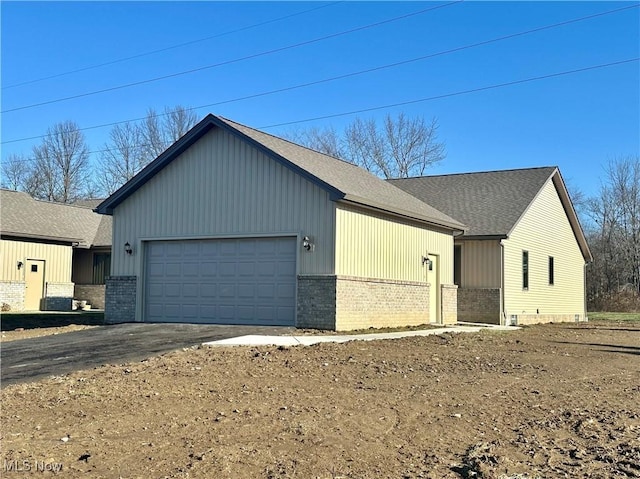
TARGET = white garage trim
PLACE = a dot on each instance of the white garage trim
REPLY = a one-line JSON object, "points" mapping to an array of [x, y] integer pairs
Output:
{"points": [[230, 280]]}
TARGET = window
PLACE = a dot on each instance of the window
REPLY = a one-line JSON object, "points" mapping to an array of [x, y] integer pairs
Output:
{"points": [[34, 268], [457, 265], [101, 267], [551, 278], [525, 270]]}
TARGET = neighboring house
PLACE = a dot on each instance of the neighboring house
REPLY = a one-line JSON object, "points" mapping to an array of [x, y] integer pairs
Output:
{"points": [[233, 225], [522, 258], [51, 253]]}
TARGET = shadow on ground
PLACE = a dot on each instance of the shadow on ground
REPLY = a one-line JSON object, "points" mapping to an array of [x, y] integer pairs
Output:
{"points": [[49, 319]]}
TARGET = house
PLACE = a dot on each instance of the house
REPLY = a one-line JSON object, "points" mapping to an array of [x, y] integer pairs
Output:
{"points": [[233, 225], [522, 258], [51, 253]]}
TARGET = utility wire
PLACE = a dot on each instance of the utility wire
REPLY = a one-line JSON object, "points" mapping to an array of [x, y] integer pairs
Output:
{"points": [[353, 74], [431, 98], [172, 47], [236, 60], [448, 95]]}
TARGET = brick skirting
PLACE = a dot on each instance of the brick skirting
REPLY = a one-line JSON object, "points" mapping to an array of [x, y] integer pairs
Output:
{"points": [[120, 299], [58, 297], [12, 295], [479, 305]]}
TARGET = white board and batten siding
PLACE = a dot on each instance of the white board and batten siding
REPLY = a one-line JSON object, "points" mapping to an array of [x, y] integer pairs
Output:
{"points": [[544, 231], [373, 245], [223, 188]]}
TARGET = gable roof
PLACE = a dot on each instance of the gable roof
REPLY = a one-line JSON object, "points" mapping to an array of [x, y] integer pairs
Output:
{"points": [[22, 216], [491, 203], [344, 181]]}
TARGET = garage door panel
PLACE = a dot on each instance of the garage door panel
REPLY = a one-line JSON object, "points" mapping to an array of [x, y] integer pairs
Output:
{"points": [[208, 269], [233, 281]]}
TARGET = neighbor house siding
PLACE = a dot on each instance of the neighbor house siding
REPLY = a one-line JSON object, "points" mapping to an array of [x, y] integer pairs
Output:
{"points": [[481, 262], [222, 187], [544, 231], [57, 260], [372, 245]]}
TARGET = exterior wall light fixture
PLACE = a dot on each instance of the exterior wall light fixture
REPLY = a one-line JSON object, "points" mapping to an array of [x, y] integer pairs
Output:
{"points": [[307, 243], [127, 249]]}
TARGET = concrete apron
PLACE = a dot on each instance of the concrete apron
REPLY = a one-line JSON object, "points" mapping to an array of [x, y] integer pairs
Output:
{"points": [[308, 340]]}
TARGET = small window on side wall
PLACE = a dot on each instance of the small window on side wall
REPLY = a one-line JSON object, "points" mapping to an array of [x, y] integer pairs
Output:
{"points": [[551, 271], [525, 270]]}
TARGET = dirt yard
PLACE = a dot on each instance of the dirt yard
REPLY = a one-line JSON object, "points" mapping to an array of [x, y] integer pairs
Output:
{"points": [[547, 401]]}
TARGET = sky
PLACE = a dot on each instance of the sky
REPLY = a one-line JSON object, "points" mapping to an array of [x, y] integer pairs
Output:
{"points": [[578, 121]]}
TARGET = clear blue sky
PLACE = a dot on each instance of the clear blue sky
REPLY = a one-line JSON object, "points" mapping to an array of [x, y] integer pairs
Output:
{"points": [[577, 122]]}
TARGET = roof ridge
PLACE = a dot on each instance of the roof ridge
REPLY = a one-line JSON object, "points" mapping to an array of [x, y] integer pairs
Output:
{"points": [[469, 173]]}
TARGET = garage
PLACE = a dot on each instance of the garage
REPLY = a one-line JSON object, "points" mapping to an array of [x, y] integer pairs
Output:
{"points": [[221, 281]]}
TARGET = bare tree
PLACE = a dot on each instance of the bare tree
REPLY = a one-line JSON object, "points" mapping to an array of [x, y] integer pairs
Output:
{"points": [[15, 172], [61, 169], [122, 158], [132, 146], [614, 236], [399, 148], [159, 130]]}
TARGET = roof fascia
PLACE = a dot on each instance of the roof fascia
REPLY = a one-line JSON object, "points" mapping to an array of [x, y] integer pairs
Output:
{"points": [[180, 146], [12, 235], [572, 216], [355, 200]]}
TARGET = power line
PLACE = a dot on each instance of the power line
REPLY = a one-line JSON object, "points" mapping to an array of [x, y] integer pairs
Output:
{"points": [[172, 47], [448, 95], [236, 60], [356, 73], [431, 98]]}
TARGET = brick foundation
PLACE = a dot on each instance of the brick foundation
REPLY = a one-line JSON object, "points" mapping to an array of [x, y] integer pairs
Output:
{"points": [[94, 294], [479, 305], [120, 299], [344, 303], [58, 297], [449, 300], [545, 318], [374, 303], [316, 302], [12, 295]]}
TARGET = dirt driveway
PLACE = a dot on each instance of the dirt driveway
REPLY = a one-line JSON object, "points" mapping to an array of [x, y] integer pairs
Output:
{"points": [[545, 401]]}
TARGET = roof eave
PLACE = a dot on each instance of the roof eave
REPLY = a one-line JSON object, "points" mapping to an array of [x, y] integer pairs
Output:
{"points": [[57, 239], [454, 226]]}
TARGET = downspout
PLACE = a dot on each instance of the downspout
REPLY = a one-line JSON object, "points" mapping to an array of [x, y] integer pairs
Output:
{"points": [[503, 313]]}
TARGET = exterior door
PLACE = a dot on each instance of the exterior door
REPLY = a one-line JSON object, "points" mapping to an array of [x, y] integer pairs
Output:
{"points": [[34, 284], [433, 278], [224, 281]]}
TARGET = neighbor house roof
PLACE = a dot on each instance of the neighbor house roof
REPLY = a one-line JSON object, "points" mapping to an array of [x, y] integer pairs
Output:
{"points": [[491, 203], [22, 216], [343, 180]]}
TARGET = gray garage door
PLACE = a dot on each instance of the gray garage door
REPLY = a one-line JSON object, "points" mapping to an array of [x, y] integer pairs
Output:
{"points": [[227, 281]]}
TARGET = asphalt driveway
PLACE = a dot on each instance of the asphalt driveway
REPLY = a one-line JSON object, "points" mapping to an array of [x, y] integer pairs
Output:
{"points": [[31, 359]]}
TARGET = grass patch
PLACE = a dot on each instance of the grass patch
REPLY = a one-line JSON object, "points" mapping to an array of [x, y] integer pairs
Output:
{"points": [[49, 319], [607, 316]]}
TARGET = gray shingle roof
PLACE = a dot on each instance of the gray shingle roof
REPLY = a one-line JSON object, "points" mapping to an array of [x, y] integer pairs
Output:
{"points": [[357, 184], [24, 217], [489, 203], [344, 181]]}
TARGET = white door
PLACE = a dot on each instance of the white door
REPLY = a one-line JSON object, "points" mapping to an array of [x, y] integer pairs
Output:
{"points": [[34, 284], [224, 281]]}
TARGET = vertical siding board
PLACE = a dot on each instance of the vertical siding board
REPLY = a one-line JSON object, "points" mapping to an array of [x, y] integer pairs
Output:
{"points": [[373, 246], [57, 260], [223, 186]]}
